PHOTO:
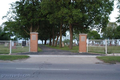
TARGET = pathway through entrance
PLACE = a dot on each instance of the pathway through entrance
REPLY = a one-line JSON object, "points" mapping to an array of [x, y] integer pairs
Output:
{"points": [[50, 51]]}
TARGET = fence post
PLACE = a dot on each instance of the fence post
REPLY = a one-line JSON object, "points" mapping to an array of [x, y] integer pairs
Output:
{"points": [[105, 46], [87, 44], [29, 45], [10, 47]]}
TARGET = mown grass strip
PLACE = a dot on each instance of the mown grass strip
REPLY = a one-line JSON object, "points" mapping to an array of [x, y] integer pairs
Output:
{"points": [[110, 59], [39, 50], [75, 48], [13, 57]]}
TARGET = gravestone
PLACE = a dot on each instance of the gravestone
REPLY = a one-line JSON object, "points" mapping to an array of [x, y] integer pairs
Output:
{"points": [[23, 43], [6, 44], [63, 44]]}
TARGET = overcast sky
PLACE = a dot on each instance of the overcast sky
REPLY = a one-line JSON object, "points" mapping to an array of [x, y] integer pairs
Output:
{"points": [[5, 5]]}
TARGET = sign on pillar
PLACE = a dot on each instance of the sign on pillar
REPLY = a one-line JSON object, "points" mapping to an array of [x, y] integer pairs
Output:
{"points": [[82, 43], [33, 42]]}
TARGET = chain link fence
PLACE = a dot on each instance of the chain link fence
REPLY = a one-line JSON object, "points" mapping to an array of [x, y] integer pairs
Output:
{"points": [[103, 46], [9, 47]]}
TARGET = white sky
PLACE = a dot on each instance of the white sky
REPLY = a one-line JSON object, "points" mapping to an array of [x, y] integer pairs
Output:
{"points": [[5, 5]]}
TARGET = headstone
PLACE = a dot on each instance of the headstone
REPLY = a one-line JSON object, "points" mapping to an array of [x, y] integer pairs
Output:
{"points": [[6, 44], [27, 44], [23, 43], [63, 44]]}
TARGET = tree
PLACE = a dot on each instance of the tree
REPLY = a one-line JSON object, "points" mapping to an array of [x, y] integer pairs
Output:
{"points": [[75, 15], [117, 34], [118, 6], [3, 35], [110, 31], [93, 35], [27, 15]]}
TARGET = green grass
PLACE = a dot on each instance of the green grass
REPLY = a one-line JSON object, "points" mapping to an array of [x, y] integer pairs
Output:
{"points": [[113, 49], [20, 49], [92, 49], [6, 50], [95, 49], [110, 59], [17, 49], [99, 49], [75, 48], [39, 50], [12, 57]]}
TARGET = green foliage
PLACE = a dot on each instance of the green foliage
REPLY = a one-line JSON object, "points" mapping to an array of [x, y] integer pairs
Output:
{"points": [[109, 33], [118, 6], [93, 35], [112, 32], [48, 16], [117, 35], [66, 41], [3, 35]]}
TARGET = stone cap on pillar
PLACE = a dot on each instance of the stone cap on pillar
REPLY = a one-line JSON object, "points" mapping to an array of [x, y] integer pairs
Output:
{"points": [[33, 32], [82, 34]]}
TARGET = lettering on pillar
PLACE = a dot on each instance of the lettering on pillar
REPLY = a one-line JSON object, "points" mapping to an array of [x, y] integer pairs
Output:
{"points": [[82, 38], [33, 37]]}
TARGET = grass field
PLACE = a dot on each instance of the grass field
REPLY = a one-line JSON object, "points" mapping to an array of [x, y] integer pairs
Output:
{"points": [[91, 49], [12, 57], [6, 50], [17, 49], [75, 48], [110, 59], [99, 49]]}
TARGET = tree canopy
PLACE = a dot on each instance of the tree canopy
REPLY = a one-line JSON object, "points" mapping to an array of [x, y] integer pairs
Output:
{"points": [[52, 18], [3, 35], [93, 35]]}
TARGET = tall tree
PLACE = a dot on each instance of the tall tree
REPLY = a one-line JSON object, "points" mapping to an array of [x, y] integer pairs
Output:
{"points": [[118, 6], [93, 35]]}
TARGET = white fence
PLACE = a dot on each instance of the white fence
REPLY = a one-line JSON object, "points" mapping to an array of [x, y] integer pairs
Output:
{"points": [[103, 46], [8, 47]]}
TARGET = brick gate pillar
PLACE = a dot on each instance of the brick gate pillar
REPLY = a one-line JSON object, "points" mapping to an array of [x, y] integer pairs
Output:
{"points": [[82, 43], [33, 42]]}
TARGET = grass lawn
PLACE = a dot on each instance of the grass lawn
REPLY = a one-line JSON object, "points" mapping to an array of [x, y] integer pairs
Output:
{"points": [[101, 49], [113, 49], [110, 59], [12, 57], [39, 50], [17, 49], [96, 49], [6, 50], [92, 49], [75, 48]]}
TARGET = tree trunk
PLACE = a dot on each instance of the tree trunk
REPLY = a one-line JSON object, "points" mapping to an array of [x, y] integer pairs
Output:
{"points": [[53, 38], [50, 42], [60, 43], [56, 41], [42, 41], [45, 42], [71, 36]]}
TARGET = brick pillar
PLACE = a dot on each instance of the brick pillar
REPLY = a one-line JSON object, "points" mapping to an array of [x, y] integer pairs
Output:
{"points": [[33, 42], [82, 43]]}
